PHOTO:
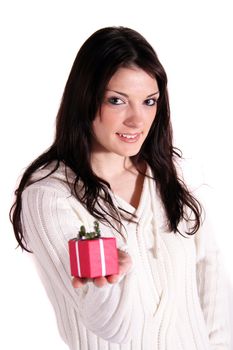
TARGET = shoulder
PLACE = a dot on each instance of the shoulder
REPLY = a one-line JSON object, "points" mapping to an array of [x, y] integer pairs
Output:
{"points": [[52, 178], [50, 195], [52, 190]]}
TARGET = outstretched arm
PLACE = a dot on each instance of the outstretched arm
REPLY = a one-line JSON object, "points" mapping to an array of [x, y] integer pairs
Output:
{"points": [[49, 220]]}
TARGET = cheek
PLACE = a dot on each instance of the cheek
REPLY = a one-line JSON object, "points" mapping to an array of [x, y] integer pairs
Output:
{"points": [[151, 118], [96, 123], [101, 127], [97, 127], [108, 120]]}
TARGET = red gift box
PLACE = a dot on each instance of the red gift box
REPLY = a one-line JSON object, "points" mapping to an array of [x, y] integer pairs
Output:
{"points": [[92, 258]]}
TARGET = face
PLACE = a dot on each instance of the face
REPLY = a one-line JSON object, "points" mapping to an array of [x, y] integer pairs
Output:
{"points": [[127, 112]]}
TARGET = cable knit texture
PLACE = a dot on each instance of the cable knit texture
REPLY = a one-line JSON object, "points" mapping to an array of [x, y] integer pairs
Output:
{"points": [[172, 298]]}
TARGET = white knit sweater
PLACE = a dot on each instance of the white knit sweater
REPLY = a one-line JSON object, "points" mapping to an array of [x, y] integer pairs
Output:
{"points": [[172, 298]]}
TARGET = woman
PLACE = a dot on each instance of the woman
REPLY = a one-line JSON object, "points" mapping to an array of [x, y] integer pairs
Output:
{"points": [[113, 160]]}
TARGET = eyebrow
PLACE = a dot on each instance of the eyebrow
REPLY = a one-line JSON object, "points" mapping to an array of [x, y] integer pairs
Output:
{"points": [[123, 94]]}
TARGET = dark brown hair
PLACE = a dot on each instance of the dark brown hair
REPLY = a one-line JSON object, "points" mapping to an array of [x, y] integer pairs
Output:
{"points": [[97, 60]]}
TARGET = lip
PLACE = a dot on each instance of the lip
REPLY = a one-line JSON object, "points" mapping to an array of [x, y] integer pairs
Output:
{"points": [[129, 137]]}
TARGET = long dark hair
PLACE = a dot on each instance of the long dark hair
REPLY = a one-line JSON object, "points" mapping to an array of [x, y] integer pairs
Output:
{"points": [[98, 59]]}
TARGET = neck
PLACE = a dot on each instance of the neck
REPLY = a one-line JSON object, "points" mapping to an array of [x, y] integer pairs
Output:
{"points": [[110, 166]]}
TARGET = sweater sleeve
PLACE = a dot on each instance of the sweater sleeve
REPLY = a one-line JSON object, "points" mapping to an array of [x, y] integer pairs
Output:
{"points": [[48, 220], [213, 285]]}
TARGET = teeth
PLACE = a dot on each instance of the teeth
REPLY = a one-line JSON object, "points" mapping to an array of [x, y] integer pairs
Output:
{"points": [[128, 136]]}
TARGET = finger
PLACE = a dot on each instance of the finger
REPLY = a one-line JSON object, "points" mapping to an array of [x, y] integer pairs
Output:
{"points": [[100, 281], [125, 262], [79, 282], [112, 278]]}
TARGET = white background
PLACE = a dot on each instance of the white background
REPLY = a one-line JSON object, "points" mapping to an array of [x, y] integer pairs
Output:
{"points": [[39, 41]]}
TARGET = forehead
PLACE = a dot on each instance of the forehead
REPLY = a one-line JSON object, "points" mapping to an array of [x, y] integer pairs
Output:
{"points": [[132, 78]]}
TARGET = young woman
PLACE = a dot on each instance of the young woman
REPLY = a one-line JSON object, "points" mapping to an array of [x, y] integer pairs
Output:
{"points": [[113, 160]]}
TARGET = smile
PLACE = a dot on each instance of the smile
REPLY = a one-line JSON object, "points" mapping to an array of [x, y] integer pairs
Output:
{"points": [[129, 137]]}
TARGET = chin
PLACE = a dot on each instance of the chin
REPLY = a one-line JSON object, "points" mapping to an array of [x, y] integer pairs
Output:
{"points": [[129, 153]]}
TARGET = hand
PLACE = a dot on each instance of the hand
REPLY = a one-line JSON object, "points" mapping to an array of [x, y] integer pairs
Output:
{"points": [[125, 263]]}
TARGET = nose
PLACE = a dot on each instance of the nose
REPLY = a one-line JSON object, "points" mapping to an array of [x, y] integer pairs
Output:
{"points": [[134, 118]]}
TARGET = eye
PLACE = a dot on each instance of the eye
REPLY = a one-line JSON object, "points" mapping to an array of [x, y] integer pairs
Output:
{"points": [[150, 101], [115, 101]]}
